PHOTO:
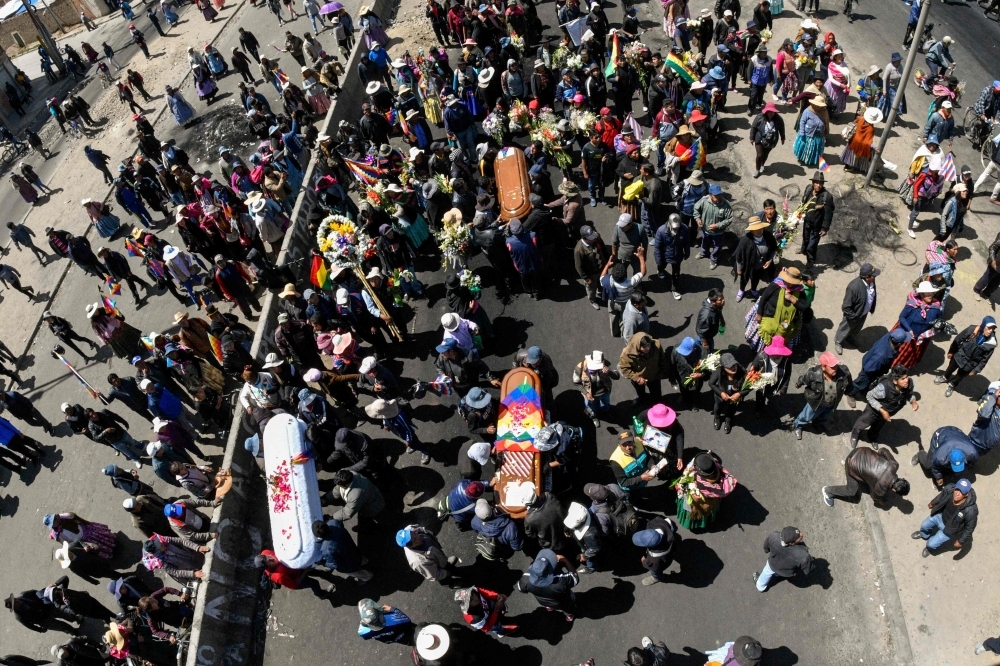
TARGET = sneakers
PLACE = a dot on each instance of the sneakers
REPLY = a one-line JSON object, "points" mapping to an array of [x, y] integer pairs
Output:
{"points": [[138, 464], [826, 498], [739, 295], [593, 203], [646, 642], [676, 295], [714, 266], [910, 231], [852, 401], [798, 434], [949, 391], [595, 305], [649, 580], [940, 380], [660, 275], [425, 459], [756, 575], [701, 255], [980, 648], [839, 347], [584, 569], [453, 560]]}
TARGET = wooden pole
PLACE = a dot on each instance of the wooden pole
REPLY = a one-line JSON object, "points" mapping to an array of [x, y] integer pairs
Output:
{"points": [[393, 328]]}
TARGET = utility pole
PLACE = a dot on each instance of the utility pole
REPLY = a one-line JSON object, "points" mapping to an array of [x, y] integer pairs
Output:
{"points": [[45, 37], [925, 10], [62, 27]]}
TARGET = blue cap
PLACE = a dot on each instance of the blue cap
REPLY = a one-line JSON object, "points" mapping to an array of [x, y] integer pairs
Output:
{"points": [[109, 470], [996, 85], [751, 24], [647, 538], [403, 537], [446, 345], [717, 73], [48, 520], [957, 460], [963, 486], [135, 359], [686, 346], [252, 444], [933, 139], [173, 510], [534, 355], [714, 190], [540, 571], [899, 335], [477, 398], [722, 48]]}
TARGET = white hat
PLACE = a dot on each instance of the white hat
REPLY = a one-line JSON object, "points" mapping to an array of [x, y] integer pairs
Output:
{"points": [[595, 361], [382, 409], [398, 62], [873, 116], [152, 448], [159, 424], [728, 12], [836, 52], [450, 321], [577, 519], [258, 205], [934, 163], [946, 104], [480, 452], [809, 24], [367, 364], [926, 287], [393, 187], [343, 296], [92, 309], [63, 556], [128, 503], [375, 272], [414, 152], [144, 384], [63, 407], [372, 88], [433, 642], [272, 361]]}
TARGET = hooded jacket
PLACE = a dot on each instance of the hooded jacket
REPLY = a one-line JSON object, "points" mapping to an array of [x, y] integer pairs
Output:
{"points": [[671, 248], [501, 528], [544, 523], [633, 365], [968, 353], [963, 524], [943, 442], [786, 561], [985, 430], [876, 469], [361, 497], [709, 320]]}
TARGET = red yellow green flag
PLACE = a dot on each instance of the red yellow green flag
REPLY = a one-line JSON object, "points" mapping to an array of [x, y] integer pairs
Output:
{"points": [[318, 274], [613, 60]]}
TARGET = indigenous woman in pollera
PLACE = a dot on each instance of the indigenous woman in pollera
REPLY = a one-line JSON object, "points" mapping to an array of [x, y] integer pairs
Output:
{"points": [[778, 311], [700, 490]]}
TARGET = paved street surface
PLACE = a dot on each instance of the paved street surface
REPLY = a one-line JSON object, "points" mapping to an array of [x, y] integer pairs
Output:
{"points": [[837, 616]]}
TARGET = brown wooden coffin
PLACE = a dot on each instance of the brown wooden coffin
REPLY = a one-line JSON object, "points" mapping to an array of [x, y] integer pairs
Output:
{"points": [[513, 186], [521, 462]]}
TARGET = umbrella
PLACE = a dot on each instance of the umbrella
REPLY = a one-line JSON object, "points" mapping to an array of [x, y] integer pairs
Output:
{"points": [[331, 8]]}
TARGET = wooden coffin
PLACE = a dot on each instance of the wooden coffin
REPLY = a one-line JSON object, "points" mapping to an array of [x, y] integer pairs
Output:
{"points": [[513, 185], [520, 418]]}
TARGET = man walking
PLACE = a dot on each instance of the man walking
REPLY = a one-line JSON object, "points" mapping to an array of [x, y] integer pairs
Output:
{"points": [[787, 555], [100, 162], [884, 400], [109, 53], [876, 470], [116, 266], [22, 408], [710, 321], [659, 539], [859, 302], [11, 278], [954, 515], [713, 215], [424, 554], [824, 386], [20, 234], [818, 217], [589, 257], [992, 169], [63, 330]]}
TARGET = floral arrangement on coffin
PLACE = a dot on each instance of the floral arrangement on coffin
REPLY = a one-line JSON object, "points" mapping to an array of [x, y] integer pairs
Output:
{"points": [[444, 185], [582, 121], [455, 241], [337, 238], [519, 117], [575, 62], [545, 130], [517, 41], [559, 58], [786, 227], [756, 380], [766, 35], [279, 488], [470, 281], [378, 197], [649, 147], [494, 125], [407, 175], [705, 365]]}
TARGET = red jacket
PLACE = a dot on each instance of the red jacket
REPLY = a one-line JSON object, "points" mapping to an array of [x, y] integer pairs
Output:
{"points": [[609, 129], [283, 575], [494, 606]]}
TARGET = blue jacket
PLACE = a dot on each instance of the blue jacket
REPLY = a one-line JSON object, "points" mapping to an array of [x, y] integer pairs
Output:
{"points": [[943, 442], [380, 58], [914, 13], [910, 319], [338, 551], [501, 528], [671, 249], [690, 196], [163, 403], [524, 253], [460, 505], [879, 358], [7, 432], [985, 431], [457, 118]]}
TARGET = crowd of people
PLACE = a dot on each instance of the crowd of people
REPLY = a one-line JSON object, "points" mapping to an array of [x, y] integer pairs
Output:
{"points": [[569, 112]]}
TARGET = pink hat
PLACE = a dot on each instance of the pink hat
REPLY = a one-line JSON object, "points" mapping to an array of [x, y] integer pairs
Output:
{"points": [[661, 416], [828, 359], [769, 107], [324, 341], [578, 98], [343, 344], [778, 348]]}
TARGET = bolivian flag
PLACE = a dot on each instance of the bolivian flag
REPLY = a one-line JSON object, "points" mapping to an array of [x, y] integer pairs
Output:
{"points": [[613, 60], [318, 274], [677, 64]]}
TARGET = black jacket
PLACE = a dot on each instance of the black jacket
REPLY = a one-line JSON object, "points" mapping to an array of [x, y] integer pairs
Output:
{"points": [[767, 304], [117, 265], [722, 5], [819, 215], [756, 129], [964, 522], [875, 469], [812, 379], [856, 297], [544, 523], [786, 561], [747, 259], [968, 354], [709, 319]]}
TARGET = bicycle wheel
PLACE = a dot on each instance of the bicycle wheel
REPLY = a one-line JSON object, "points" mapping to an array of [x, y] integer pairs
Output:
{"points": [[969, 125], [984, 152]]}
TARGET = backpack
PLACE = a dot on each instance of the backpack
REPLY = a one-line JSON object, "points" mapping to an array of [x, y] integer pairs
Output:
{"points": [[623, 517]]}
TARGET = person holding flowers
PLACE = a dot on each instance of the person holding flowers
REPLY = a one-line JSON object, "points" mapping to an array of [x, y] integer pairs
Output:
{"points": [[686, 370], [701, 489], [726, 383], [770, 372]]}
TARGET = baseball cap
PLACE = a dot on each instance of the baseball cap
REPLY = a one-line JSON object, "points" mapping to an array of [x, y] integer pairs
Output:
{"points": [[789, 535], [867, 270], [588, 233], [715, 190], [828, 359], [957, 461], [403, 537], [534, 355], [446, 346], [899, 335], [963, 486], [541, 569]]}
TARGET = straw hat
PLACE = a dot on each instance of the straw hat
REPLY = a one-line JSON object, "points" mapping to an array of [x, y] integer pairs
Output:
{"points": [[289, 290], [756, 223], [382, 409], [63, 556], [818, 101], [114, 636], [791, 275]]}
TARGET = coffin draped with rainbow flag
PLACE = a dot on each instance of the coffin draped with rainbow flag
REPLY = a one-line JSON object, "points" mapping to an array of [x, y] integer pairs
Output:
{"points": [[521, 417]]}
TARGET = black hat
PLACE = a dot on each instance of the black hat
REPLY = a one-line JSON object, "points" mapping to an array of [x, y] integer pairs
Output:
{"points": [[789, 535], [867, 270], [818, 177], [747, 651], [484, 202], [596, 492], [704, 463]]}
